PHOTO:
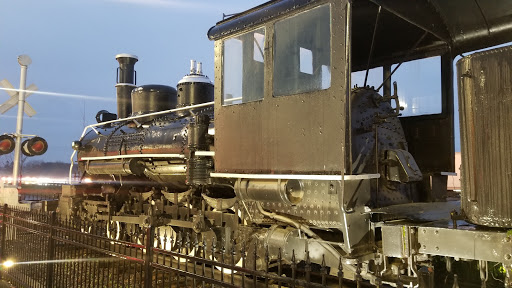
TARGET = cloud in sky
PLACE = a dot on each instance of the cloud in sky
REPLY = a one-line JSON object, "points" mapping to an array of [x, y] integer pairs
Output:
{"points": [[168, 3], [76, 96], [198, 5]]}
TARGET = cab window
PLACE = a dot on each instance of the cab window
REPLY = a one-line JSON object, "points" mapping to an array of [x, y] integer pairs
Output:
{"points": [[243, 68], [419, 85], [424, 97], [302, 52]]}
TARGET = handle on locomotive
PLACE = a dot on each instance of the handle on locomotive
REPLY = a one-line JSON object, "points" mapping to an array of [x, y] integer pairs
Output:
{"points": [[397, 109], [397, 102]]}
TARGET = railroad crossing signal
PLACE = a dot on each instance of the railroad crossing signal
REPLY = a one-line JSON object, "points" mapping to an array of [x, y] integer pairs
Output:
{"points": [[14, 98], [34, 147]]}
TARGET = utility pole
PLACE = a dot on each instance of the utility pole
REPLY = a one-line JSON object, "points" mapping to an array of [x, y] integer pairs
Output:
{"points": [[24, 61]]}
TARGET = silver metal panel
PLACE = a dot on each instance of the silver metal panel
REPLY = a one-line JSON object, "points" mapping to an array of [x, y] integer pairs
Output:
{"points": [[478, 245], [320, 204], [448, 242], [395, 241], [405, 240]]}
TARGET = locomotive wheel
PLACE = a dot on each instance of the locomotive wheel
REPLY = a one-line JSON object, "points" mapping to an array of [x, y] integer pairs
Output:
{"points": [[226, 256], [229, 240], [168, 239], [86, 229], [113, 230], [133, 233]]}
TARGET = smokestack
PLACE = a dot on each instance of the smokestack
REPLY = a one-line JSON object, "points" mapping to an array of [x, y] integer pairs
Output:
{"points": [[126, 81]]}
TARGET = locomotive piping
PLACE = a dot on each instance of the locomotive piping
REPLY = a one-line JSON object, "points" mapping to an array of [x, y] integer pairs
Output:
{"points": [[287, 220], [304, 229], [149, 114], [204, 153], [134, 156]]}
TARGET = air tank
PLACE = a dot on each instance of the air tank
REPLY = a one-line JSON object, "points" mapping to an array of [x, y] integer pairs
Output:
{"points": [[194, 88]]}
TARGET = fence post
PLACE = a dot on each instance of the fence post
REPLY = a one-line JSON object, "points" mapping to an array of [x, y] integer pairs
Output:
{"points": [[2, 237], [51, 252], [148, 270]]}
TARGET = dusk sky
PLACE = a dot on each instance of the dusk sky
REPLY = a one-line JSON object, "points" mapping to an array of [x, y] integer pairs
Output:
{"points": [[73, 46]]}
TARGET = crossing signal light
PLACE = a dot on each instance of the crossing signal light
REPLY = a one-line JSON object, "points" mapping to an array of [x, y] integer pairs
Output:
{"points": [[34, 146], [7, 144]]}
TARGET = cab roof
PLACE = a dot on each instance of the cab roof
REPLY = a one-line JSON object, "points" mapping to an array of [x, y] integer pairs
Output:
{"points": [[437, 26]]}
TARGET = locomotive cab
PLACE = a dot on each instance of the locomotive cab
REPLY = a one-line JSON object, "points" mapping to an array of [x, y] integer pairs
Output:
{"points": [[283, 103], [285, 109], [277, 102]]}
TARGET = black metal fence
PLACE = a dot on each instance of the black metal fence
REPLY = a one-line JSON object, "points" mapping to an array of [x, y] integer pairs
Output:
{"points": [[51, 252]]}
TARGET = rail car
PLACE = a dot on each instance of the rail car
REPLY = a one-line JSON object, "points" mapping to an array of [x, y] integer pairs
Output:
{"points": [[284, 153]]}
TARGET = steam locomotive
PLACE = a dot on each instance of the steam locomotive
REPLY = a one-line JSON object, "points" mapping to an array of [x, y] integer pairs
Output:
{"points": [[281, 152]]}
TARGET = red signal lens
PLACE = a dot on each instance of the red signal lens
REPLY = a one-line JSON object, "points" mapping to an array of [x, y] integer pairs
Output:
{"points": [[6, 144], [38, 146]]}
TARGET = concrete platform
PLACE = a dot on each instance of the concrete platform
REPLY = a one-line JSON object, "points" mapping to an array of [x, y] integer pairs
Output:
{"points": [[10, 195]]}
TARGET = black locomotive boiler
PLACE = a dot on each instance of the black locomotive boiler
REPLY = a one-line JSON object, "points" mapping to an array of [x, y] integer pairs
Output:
{"points": [[282, 155], [169, 141]]}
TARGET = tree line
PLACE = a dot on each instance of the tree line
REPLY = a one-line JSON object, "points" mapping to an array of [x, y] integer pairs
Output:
{"points": [[35, 168]]}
